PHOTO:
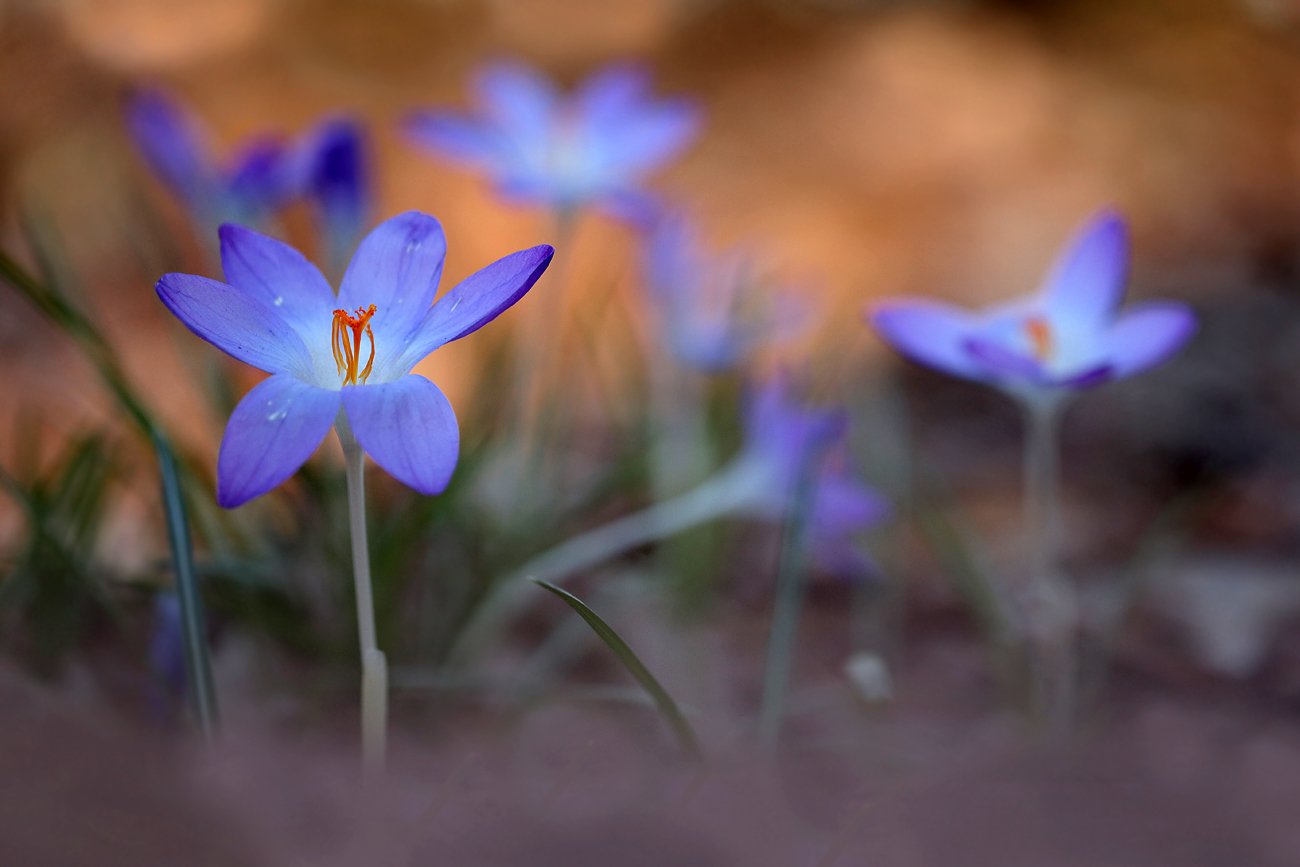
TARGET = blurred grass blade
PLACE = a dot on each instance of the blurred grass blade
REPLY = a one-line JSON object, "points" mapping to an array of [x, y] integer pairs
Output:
{"points": [[67, 317], [796, 543], [667, 707], [198, 664]]}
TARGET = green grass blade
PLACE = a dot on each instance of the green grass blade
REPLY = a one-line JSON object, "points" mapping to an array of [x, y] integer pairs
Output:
{"points": [[198, 664], [663, 701], [71, 321]]}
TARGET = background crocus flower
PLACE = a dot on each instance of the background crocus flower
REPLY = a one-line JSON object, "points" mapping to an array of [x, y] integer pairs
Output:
{"points": [[1068, 336], [330, 169], [541, 147], [712, 310], [247, 187], [780, 437], [347, 358]]}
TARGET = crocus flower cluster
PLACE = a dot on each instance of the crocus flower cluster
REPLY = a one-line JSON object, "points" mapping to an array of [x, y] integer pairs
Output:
{"points": [[541, 147], [326, 165], [1068, 336], [713, 311], [344, 359]]}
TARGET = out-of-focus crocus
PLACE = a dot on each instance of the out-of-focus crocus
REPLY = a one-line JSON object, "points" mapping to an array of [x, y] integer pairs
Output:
{"points": [[712, 311], [345, 358], [167, 648], [248, 187], [330, 168], [1068, 336], [781, 436], [541, 147]]}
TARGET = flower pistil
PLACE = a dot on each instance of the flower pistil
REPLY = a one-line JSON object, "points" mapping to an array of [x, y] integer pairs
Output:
{"points": [[1040, 335], [347, 348]]}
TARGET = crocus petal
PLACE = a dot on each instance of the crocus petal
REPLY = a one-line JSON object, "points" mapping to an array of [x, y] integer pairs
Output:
{"points": [[409, 428], [335, 177], [173, 145], [396, 268], [458, 138], [271, 433], [845, 505], [1001, 363], [278, 276], [236, 323], [930, 333], [1147, 334], [613, 91], [518, 97], [1086, 284], [645, 140], [259, 179], [474, 302]]}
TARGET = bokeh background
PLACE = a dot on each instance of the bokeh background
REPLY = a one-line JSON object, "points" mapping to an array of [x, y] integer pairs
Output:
{"points": [[860, 150]]}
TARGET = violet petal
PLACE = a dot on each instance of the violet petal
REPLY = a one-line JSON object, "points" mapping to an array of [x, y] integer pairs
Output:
{"points": [[409, 428], [237, 323], [271, 433]]}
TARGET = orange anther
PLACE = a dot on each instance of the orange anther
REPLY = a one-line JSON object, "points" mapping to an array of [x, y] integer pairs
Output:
{"points": [[1040, 335], [347, 349]]}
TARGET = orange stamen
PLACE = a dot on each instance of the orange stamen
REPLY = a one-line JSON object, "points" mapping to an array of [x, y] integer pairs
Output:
{"points": [[1040, 334], [347, 352]]}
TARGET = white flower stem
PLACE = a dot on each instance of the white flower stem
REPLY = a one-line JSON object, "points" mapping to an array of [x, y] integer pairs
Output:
{"points": [[1052, 610], [374, 667]]}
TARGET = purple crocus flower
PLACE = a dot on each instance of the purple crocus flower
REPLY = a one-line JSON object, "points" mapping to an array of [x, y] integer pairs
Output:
{"points": [[347, 358], [713, 311], [780, 437], [248, 187], [330, 168], [1068, 336], [541, 147]]}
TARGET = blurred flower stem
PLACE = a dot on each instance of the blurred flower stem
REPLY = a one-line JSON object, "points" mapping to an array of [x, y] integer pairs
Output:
{"points": [[541, 339], [682, 451], [374, 667], [1051, 607]]}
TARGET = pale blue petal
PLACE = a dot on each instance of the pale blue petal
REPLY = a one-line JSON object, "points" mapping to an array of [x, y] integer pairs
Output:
{"points": [[464, 140], [1147, 334], [396, 268], [474, 302], [613, 91], [930, 333], [1086, 285], [646, 139], [518, 97], [237, 323], [271, 433], [409, 428]]}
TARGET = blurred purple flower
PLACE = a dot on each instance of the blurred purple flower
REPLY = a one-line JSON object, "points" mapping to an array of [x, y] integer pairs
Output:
{"points": [[279, 314], [713, 313], [248, 187], [540, 147], [329, 167], [167, 645], [780, 438], [1068, 336]]}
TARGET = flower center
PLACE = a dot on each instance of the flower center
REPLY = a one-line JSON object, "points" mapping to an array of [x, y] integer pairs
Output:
{"points": [[1040, 336], [347, 346]]}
